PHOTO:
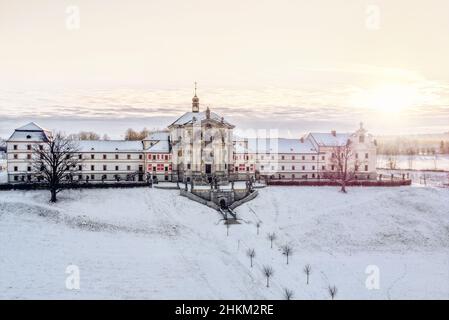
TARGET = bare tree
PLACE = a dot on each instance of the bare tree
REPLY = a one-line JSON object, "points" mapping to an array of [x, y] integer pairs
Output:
{"points": [[343, 164], [287, 250], [131, 134], [288, 294], [307, 270], [332, 291], [55, 160], [272, 236], [258, 226], [251, 253], [268, 272]]}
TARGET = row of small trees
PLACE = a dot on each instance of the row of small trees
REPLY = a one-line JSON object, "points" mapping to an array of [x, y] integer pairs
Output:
{"points": [[268, 271]]}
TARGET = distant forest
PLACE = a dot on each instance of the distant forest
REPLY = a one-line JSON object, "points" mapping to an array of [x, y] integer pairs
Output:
{"points": [[414, 145]]}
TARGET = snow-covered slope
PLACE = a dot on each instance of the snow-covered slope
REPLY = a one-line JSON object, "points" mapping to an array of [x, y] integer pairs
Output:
{"points": [[152, 243]]}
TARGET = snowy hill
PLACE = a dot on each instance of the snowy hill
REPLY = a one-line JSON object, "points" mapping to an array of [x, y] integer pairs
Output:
{"points": [[150, 243]]}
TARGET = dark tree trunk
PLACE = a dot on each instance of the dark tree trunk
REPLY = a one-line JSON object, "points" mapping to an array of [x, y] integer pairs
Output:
{"points": [[53, 195]]}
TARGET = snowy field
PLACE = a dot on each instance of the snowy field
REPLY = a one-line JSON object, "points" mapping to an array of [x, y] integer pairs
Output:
{"points": [[154, 244], [438, 162]]}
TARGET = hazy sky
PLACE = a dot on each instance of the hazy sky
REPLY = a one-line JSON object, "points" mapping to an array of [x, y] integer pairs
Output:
{"points": [[296, 65]]}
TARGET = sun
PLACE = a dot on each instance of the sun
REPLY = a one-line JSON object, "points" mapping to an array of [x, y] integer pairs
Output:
{"points": [[391, 98]]}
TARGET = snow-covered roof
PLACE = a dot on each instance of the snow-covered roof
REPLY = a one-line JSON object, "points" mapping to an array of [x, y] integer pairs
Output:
{"points": [[32, 126], [189, 117], [110, 146], [329, 139], [30, 132], [161, 146], [276, 145], [158, 135]]}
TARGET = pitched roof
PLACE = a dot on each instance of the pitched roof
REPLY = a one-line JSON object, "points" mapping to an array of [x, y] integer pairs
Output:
{"points": [[277, 145], [32, 126], [161, 146], [30, 132], [329, 139], [158, 135], [191, 117], [110, 146]]}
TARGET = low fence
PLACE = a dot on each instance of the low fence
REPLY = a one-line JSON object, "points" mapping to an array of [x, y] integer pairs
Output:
{"points": [[42, 186], [359, 183]]}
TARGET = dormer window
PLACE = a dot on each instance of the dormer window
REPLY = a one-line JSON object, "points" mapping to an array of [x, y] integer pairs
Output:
{"points": [[28, 137]]}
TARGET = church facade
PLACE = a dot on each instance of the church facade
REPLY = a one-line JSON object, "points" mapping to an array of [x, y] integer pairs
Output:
{"points": [[199, 146]]}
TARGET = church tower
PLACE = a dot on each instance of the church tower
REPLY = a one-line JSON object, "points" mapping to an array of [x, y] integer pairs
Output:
{"points": [[195, 102]]}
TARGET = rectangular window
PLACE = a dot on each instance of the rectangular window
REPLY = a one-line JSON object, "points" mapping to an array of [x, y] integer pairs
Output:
{"points": [[313, 157], [166, 157], [116, 157], [105, 168], [366, 167], [293, 167], [80, 168], [303, 158], [160, 167], [303, 168], [313, 167], [261, 167], [323, 158], [128, 156], [16, 169], [16, 156], [282, 168], [29, 156], [116, 168], [92, 168], [29, 169], [293, 157], [366, 155], [154, 157], [80, 156], [92, 177], [128, 168], [29, 147], [188, 166], [92, 156], [356, 155], [14, 147], [323, 168], [332, 167]]}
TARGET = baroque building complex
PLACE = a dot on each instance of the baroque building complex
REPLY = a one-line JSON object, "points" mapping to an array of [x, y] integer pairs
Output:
{"points": [[199, 147]]}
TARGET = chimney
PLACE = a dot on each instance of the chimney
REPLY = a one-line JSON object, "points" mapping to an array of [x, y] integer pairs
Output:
{"points": [[334, 133]]}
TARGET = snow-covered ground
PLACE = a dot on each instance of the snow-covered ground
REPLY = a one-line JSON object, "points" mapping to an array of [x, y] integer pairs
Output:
{"points": [[155, 244]]}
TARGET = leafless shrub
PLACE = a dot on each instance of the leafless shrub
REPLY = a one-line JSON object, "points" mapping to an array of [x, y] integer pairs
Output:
{"points": [[332, 291], [287, 250], [307, 270], [288, 294], [268, 272], [251, 253], [271, 236]]}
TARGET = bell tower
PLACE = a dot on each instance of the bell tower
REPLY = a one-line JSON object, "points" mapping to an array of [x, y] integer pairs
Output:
{"points": [[195, 102]]}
